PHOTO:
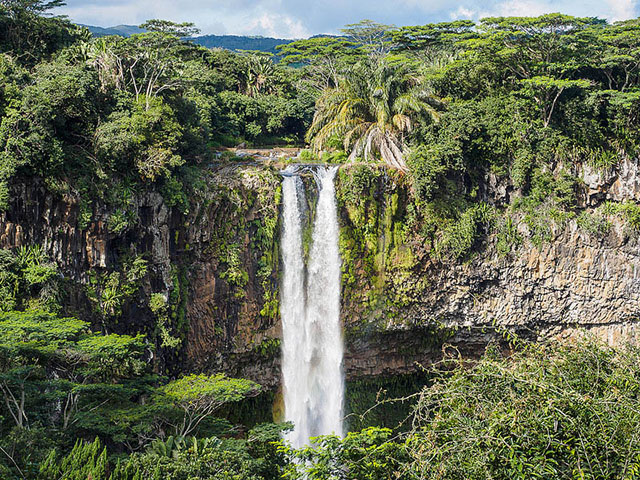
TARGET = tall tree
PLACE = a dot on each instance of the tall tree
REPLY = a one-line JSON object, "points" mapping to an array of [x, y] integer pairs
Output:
{"points": [[325, 58], [29, 34], [529, 46], [431, 36], [374, 37], [181, 30], [617, 53]]}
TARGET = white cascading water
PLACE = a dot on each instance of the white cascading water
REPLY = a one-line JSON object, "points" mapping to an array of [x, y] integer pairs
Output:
{"points": [[312, 347], [292, 302]]}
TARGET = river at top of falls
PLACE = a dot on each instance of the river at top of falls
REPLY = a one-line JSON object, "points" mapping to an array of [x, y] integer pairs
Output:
{"points": [[312, 347]]}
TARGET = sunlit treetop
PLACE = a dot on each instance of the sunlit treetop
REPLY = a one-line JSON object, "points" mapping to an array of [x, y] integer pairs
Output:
{"points": [[551, 23], [432, 35], [34, 6], [185, 29]]}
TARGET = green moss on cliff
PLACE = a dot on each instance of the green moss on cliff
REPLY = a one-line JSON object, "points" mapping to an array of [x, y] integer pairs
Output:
{"points": [[378, 259]]}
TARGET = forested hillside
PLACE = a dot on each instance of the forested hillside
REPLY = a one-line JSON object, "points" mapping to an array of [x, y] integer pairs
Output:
{"points": [[228, 42], [459, 138]]}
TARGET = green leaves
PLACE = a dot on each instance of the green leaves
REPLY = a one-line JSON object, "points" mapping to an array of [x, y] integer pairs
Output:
{"points": [[460, 235], [28, 279], [146, 136], [115, 356], [185, 29], [193, 390], [433, 36], [547, 90], [367, 455], [316, 50], [198, 396], [29, 35], [546, 412], [47, 361], [109, 291], [39, 330], [86, 460], [373, 110]]}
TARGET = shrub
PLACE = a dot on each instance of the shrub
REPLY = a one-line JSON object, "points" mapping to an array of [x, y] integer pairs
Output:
{"points": [[567, 411], [628, 211], [459, 236]]}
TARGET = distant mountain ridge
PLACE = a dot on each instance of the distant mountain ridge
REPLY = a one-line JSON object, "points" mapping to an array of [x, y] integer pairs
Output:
{"points": [[122, 30], [229, 42], [238, 42]]}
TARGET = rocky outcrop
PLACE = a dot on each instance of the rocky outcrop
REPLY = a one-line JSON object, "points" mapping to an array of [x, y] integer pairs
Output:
{"points": [[618, 184]]}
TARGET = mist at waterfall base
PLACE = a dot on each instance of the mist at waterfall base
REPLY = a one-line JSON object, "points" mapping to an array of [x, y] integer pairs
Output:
{"points": [[312, 348]]}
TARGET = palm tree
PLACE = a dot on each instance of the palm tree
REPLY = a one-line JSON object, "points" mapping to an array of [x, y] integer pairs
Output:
{"points": [[372, 110], [259, 75]]}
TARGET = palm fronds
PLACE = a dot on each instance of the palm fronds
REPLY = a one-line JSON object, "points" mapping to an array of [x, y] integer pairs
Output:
{"points": [[371, 110]]}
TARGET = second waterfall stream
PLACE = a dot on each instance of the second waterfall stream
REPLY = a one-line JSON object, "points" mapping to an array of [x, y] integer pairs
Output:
{"points": [[312, 346]]}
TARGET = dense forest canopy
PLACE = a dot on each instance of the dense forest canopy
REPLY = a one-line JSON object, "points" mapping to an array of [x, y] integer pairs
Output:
{"points": [[522, 99]]}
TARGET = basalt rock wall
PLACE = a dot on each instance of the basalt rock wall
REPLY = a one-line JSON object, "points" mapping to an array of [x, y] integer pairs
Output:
{"points": [[403, 302]]}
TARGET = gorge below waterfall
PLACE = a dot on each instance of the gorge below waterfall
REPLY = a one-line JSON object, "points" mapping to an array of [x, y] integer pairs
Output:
{"points": [[312, 347]]}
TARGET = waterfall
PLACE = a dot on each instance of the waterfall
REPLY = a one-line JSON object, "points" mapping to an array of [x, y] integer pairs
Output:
{"points": [[312, 338], [292, 304]]}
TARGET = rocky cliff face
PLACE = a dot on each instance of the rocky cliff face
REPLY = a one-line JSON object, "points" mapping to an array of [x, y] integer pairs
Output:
{"points": [[219, 263], [573, 283], [404, 303]]}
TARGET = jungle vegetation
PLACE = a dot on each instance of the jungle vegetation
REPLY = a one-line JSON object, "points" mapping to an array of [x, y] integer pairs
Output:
{"points": [[525, 101]]}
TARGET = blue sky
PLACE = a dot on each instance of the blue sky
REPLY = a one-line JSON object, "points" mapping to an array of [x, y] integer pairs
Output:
{"points": [[302, 18]]}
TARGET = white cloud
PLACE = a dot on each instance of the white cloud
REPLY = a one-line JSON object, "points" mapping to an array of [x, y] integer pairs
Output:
{"points": [[300, 18], [463, 13], [525, 8], [132, 12], [276, 25], [621, 9]]}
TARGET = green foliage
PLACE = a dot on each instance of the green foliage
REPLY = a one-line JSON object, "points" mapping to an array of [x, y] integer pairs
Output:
{"points": [[198, 396], [371, 110], [158, 305], [262, 116], [99, 380], [547, 90], [628, 211], [387, 401], [234, 274], [185, 29], [429, 168], [41, 131], [139, 112], [253, 458], [28, 279], [86, 460], [268, 348], [109, 291], [432, 36], [147, 136], [547, 412], [217, 389], [460, 236], [593, 223], [55, 371], [324, 58], [508, 236], [365, 455], [29, 35]]}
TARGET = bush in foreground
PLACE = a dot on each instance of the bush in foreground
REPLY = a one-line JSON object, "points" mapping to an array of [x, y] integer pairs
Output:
{"points": [[568, 411]]}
